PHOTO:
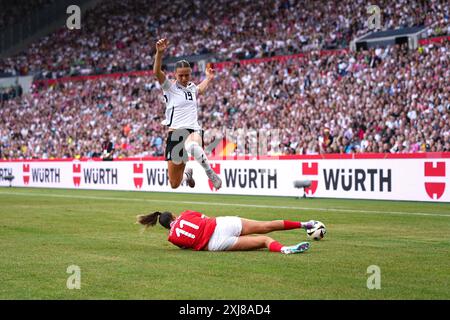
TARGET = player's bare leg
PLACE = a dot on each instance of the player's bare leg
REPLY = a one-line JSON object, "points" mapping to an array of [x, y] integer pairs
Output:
{"points": [[178, 174], [193, 147], [261, 227], [245, 243]]}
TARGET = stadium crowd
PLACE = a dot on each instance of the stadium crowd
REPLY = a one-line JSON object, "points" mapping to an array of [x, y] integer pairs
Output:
{"points": [[118, 35], [384, 100]]}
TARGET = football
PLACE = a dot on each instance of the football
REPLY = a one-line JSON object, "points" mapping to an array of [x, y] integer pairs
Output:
{"points": [[317, 232]]}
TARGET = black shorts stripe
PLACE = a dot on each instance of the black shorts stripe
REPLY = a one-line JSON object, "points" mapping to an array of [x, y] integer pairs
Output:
{"points": [[171, 117]]}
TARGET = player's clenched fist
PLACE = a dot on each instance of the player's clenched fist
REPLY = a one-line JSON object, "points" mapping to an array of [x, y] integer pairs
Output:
{"points": [[161, 45], [210, 73]]}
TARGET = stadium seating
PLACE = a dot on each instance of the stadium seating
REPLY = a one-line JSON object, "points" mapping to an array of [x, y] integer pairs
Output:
{"points": [[384, 100], [119, 36], [12, 12]]}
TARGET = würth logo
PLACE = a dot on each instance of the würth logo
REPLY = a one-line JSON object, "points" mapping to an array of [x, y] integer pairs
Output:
{"points": [[26, 173], [311, 169], [435, 190], [76, 169], [216, 168], [138, 170]]}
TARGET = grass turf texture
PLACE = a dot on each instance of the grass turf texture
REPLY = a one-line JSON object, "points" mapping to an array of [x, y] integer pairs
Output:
{"points": [[43, 231]]}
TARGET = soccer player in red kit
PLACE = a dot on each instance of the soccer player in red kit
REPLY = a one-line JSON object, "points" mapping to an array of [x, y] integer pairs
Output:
{"points": [[194, 230]]}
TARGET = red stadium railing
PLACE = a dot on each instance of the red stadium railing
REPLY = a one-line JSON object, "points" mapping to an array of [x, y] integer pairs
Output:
{"points": [[433, 40]]}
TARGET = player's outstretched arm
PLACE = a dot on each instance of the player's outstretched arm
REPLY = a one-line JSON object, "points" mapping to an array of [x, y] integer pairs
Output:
{"points": [[204, 84], [161, 46]]}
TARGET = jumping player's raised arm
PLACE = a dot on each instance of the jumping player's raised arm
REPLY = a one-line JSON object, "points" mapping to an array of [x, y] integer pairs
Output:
{"points": [[161, 45], [204, 84]]}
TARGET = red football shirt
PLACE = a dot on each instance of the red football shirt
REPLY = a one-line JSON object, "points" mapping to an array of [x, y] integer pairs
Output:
{"points": [[192, 230]]}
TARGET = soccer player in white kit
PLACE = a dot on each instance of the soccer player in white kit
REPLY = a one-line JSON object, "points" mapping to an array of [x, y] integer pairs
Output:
{"points": [[185, 133]]}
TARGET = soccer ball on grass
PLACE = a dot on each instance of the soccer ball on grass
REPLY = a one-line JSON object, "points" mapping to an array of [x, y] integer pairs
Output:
{"points": [[317, 232]]}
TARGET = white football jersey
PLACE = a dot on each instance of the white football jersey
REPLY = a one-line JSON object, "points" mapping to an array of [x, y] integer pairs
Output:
{"points": [[181, 105]]}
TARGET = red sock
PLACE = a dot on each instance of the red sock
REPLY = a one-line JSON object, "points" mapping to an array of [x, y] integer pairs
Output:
{"points": [[275, 246], [292, 225]]}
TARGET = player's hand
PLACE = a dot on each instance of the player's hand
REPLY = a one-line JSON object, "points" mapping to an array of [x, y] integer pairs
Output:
{"points": [[210, 73], [162, 45]]}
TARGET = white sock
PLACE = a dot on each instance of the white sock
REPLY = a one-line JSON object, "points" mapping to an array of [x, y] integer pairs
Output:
{"points": [[197, 152], [304, 224]]}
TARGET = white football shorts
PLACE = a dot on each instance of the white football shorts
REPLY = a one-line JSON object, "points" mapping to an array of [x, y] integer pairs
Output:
{"points": [[227, 232]]}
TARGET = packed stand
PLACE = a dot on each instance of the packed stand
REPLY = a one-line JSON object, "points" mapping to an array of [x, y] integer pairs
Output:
{"points": [[384, 101], [119, 36], [73, 119]]}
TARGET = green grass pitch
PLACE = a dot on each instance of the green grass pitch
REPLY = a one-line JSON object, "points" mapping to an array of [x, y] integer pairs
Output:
{"points": [[43, 231]]}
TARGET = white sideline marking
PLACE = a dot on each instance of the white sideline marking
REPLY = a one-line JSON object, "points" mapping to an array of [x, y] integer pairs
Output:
{"points": [[223, 204]]}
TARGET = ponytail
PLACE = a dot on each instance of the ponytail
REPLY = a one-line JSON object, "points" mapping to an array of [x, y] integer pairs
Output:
{"points": [[149, 220]]}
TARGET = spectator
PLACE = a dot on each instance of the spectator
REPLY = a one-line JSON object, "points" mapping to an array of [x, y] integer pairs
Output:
{"points": [[107, 148]]}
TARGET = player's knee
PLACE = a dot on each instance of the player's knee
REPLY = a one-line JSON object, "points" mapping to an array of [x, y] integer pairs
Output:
{"points": [[266, 241], [190, 146]]}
